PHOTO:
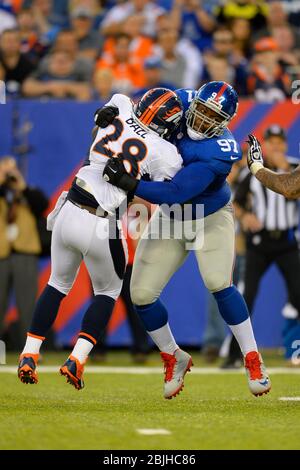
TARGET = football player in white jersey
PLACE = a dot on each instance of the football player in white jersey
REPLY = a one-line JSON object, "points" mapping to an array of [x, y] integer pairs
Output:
{"points": [[85, 223]]}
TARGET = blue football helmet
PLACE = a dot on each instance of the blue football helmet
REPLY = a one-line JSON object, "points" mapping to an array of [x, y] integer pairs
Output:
{"points": [[211, 110]]}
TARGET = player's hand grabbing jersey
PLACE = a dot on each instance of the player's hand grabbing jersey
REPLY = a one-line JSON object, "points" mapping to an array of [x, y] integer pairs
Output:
{"points": [[144, 152]]}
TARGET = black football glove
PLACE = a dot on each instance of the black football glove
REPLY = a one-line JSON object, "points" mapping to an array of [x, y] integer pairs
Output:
{"points": [[255, 156], [103, 117], [116, 174]]}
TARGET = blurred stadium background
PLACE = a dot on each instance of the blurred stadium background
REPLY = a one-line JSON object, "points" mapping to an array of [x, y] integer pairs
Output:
{"points": [[62, 59]]}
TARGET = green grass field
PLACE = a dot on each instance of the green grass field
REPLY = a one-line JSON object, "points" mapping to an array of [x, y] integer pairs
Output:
{"points": [[215, 411]]}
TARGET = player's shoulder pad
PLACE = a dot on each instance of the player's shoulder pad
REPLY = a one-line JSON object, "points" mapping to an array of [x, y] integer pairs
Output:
{"points": [[186, 96], [120, 101]]}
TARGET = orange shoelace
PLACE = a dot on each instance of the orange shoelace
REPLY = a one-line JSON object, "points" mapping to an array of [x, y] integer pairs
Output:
{"points": [[169, 364], [252, 363]]}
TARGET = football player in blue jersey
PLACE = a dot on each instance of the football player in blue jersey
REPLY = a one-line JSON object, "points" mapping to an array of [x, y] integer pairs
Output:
{"points": [[208, 150]]}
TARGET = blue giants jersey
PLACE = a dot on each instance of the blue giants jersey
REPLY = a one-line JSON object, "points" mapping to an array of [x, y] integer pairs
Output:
{"points": [[218, 153], [207, 163], [186, 95]]}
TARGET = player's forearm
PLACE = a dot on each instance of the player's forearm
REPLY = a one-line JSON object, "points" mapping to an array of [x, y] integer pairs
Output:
{"points": [[287, 184], [187, 184], [160, 193]]}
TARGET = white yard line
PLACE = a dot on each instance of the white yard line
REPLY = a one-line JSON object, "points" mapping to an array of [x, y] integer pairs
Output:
{"points": [[154, 432], [289, 398], [151, 370]]}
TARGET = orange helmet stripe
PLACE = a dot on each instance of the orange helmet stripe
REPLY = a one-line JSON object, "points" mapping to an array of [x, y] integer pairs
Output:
{"points": [[150, 110], [149, 114], [156, 106]]}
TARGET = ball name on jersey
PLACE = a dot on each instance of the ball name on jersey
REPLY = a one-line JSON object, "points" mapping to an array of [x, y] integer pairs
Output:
{"points": [[136, 128]]}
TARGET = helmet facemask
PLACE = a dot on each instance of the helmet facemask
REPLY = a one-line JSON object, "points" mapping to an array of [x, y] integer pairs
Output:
{"points": [[206, 119]]}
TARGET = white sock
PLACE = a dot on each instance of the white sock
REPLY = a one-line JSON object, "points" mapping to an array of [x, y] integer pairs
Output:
{"points": [[82, 349], [164, 339], [244, 335], [32, 345]]}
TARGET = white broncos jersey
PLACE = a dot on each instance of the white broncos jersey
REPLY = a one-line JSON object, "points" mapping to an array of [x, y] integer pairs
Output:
{"points": [[144, 152]]}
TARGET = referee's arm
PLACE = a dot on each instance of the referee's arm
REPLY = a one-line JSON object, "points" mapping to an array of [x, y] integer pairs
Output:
{"points": [[287, 184]]}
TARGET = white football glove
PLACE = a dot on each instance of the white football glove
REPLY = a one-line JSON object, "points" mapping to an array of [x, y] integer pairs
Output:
{"points": [[255, 156]]}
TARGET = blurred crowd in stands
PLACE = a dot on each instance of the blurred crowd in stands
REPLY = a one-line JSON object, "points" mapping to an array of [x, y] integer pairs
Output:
{"points": [[90, 49]]}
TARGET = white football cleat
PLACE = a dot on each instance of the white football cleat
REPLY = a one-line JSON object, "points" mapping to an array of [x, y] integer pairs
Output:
{"points": [[258, 379], [176, 366]]}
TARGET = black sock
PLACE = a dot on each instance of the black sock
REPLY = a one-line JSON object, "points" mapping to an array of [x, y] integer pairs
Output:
{"points": [[45, 311], [96, 318]]}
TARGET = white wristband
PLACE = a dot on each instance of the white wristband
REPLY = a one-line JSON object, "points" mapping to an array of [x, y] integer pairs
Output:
{"points": [[255, 167]]}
